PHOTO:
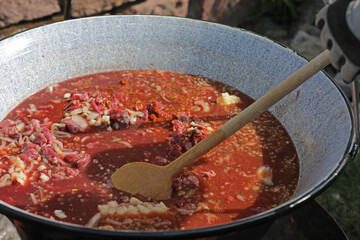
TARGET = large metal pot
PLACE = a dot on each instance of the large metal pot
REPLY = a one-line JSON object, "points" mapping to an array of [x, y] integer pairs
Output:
{"points": [[316, 115]]}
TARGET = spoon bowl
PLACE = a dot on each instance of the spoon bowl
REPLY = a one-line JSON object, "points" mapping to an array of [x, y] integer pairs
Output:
{"points": [[147, 179]]}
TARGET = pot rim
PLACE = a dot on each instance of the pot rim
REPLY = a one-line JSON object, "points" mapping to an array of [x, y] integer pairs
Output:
{"points": [[350, 153]]}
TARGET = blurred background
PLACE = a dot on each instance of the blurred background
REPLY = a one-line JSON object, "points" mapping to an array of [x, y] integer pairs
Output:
{"points": [[289, 22]]}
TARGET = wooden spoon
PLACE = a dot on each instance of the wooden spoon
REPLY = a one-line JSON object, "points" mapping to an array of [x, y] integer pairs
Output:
{"points": [[155, 181]]}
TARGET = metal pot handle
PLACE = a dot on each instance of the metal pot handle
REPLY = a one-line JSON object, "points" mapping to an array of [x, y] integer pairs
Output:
{"points": [[355, 153], [355, 106]]}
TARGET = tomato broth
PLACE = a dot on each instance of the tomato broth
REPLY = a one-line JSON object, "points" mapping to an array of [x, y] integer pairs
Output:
{"points": [[59, 147]]}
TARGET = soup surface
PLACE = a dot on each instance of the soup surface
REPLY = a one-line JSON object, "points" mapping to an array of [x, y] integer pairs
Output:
{"points": [[60, 146]]}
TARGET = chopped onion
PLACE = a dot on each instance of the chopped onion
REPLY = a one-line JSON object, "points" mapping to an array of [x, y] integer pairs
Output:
{"points": [[266, 174], [60, 144], [204, 105], [56, 126], [20, 141], [11, 145], [41, 167], [50, 89], [195, 108], [227, 99], [4, 179], [127, 144], [7, 139], [92, 122], [92, 115], [20, 127], [76, 111], [44, 177], [74, 152], [62, 134], [185, 211], [165, 222], [241, 198], [133, 115], [26, 139], [163, 97], [27, 133], [93, 220], [60, 214], [32, 108], [57, 148], [12, 167], [2, 146], [196, 125], [30, 167], [33, 198], [112, 221], [84, 139], [81, 122]]}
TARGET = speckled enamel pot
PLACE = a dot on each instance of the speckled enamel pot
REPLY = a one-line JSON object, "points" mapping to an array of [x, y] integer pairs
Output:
{"points": [[316, 115]]}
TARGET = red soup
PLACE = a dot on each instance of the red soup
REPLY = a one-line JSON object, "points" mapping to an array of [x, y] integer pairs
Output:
{"points": [[60, 146]]}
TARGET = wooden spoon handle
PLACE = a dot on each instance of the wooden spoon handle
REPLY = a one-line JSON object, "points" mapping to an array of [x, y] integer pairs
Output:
{"points": [[251, 112]]}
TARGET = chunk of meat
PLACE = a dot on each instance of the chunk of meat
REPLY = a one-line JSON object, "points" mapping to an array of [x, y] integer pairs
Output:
{"points": [[161, 160], [186, 133], [40, 139], [71, 158], [198, 136], [183, 117], [44, 137], [29, 152], [121, 96], [191, 181], [175, 150], [178, 127], [80, 160], [97, 107], [8, 128], [187, 146], [183, 182], [52, 156], [156, 108], [71, 125], [80, 96], [48, 135], [33, 126], [101, 98], [119, 118]]}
